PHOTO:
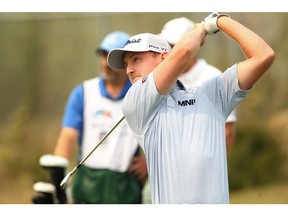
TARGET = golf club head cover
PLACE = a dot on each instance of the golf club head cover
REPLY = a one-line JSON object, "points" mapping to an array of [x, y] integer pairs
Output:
{"points": [[210, 23], [56, 167], [46, 193]]}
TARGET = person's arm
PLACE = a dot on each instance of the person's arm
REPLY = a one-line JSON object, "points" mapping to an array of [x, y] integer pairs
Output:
{"points": [[230, 135], [138, 167], [66, 142], [172, 66], [71, 125], [259, 54]]}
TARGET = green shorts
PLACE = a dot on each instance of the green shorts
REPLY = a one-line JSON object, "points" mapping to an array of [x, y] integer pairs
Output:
{"points": [[106, 187]]}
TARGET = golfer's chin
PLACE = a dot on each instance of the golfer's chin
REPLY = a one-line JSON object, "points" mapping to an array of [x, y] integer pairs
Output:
{"points": [[135, 79]]}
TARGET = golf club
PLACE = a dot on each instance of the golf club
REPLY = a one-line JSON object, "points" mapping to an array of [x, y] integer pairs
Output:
{"points": [[67, 177]]}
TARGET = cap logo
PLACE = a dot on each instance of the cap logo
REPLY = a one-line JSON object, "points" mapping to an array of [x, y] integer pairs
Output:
{"points": [[133, 41], [157, 47]]}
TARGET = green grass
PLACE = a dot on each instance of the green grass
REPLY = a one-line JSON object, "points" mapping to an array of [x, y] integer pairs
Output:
{"points": [[269, 194], [22, 191]]}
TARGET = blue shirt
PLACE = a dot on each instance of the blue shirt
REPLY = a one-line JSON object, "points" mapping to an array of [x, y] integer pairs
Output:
{"points": [[73, 116]]}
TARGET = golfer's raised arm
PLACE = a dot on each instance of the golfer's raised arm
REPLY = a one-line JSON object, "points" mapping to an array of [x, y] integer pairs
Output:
{"points": [[259, 54], [168, 71]]}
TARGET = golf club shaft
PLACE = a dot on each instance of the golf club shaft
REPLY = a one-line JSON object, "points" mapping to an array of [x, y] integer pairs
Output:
{"points": [[100, 142], [65, 180]]}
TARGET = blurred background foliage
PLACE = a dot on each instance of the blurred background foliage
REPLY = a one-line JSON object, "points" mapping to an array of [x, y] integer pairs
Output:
{"points": [[44, 55]]}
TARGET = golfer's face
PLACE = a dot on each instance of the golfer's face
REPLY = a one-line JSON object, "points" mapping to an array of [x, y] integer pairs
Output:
{"points": [[140, 64]]}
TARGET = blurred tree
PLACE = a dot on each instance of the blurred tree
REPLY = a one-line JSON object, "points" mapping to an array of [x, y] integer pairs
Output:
{"points": [[256, 158]]}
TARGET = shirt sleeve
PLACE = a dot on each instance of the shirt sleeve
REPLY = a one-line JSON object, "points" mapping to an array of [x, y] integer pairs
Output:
{"points": [[73, 116], [224, 92], [231, 93], [141, 104]]}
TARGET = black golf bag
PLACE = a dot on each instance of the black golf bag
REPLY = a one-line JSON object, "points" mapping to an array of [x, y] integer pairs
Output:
{"points": [[50, 192]]}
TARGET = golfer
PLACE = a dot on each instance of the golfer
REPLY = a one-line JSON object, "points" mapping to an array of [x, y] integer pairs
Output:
{"points": [[182, 131]]}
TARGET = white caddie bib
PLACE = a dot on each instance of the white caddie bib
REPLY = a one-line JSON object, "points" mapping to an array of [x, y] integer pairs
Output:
{"points": [[100, 115]]}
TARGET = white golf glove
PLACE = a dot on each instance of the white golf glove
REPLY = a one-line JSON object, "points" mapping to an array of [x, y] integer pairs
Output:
{"points": [[210, 23]]}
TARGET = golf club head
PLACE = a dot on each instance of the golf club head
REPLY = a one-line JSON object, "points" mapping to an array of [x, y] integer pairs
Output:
{"points": [[64, 182], [46, 193]]}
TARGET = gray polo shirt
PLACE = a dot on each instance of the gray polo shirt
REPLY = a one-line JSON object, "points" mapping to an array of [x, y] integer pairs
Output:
{"points": [[183, 137]]}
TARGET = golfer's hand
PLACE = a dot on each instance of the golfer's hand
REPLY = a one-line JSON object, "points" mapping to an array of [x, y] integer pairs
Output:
{"points": [[138, 167], [210, 23]]}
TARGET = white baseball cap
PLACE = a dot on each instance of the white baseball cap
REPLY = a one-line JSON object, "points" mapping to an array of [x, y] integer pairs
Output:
{"points": [[175, 29], [137, 43]]}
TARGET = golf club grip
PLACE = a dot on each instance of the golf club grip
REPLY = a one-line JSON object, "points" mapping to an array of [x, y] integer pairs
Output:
{"points": [[100, 142]]}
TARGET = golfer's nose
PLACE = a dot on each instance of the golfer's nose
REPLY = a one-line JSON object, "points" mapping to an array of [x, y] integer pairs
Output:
{"points": [[130, 70]]}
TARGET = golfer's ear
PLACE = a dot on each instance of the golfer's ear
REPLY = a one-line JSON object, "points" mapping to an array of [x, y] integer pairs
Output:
{"points": [[163, 56]]}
